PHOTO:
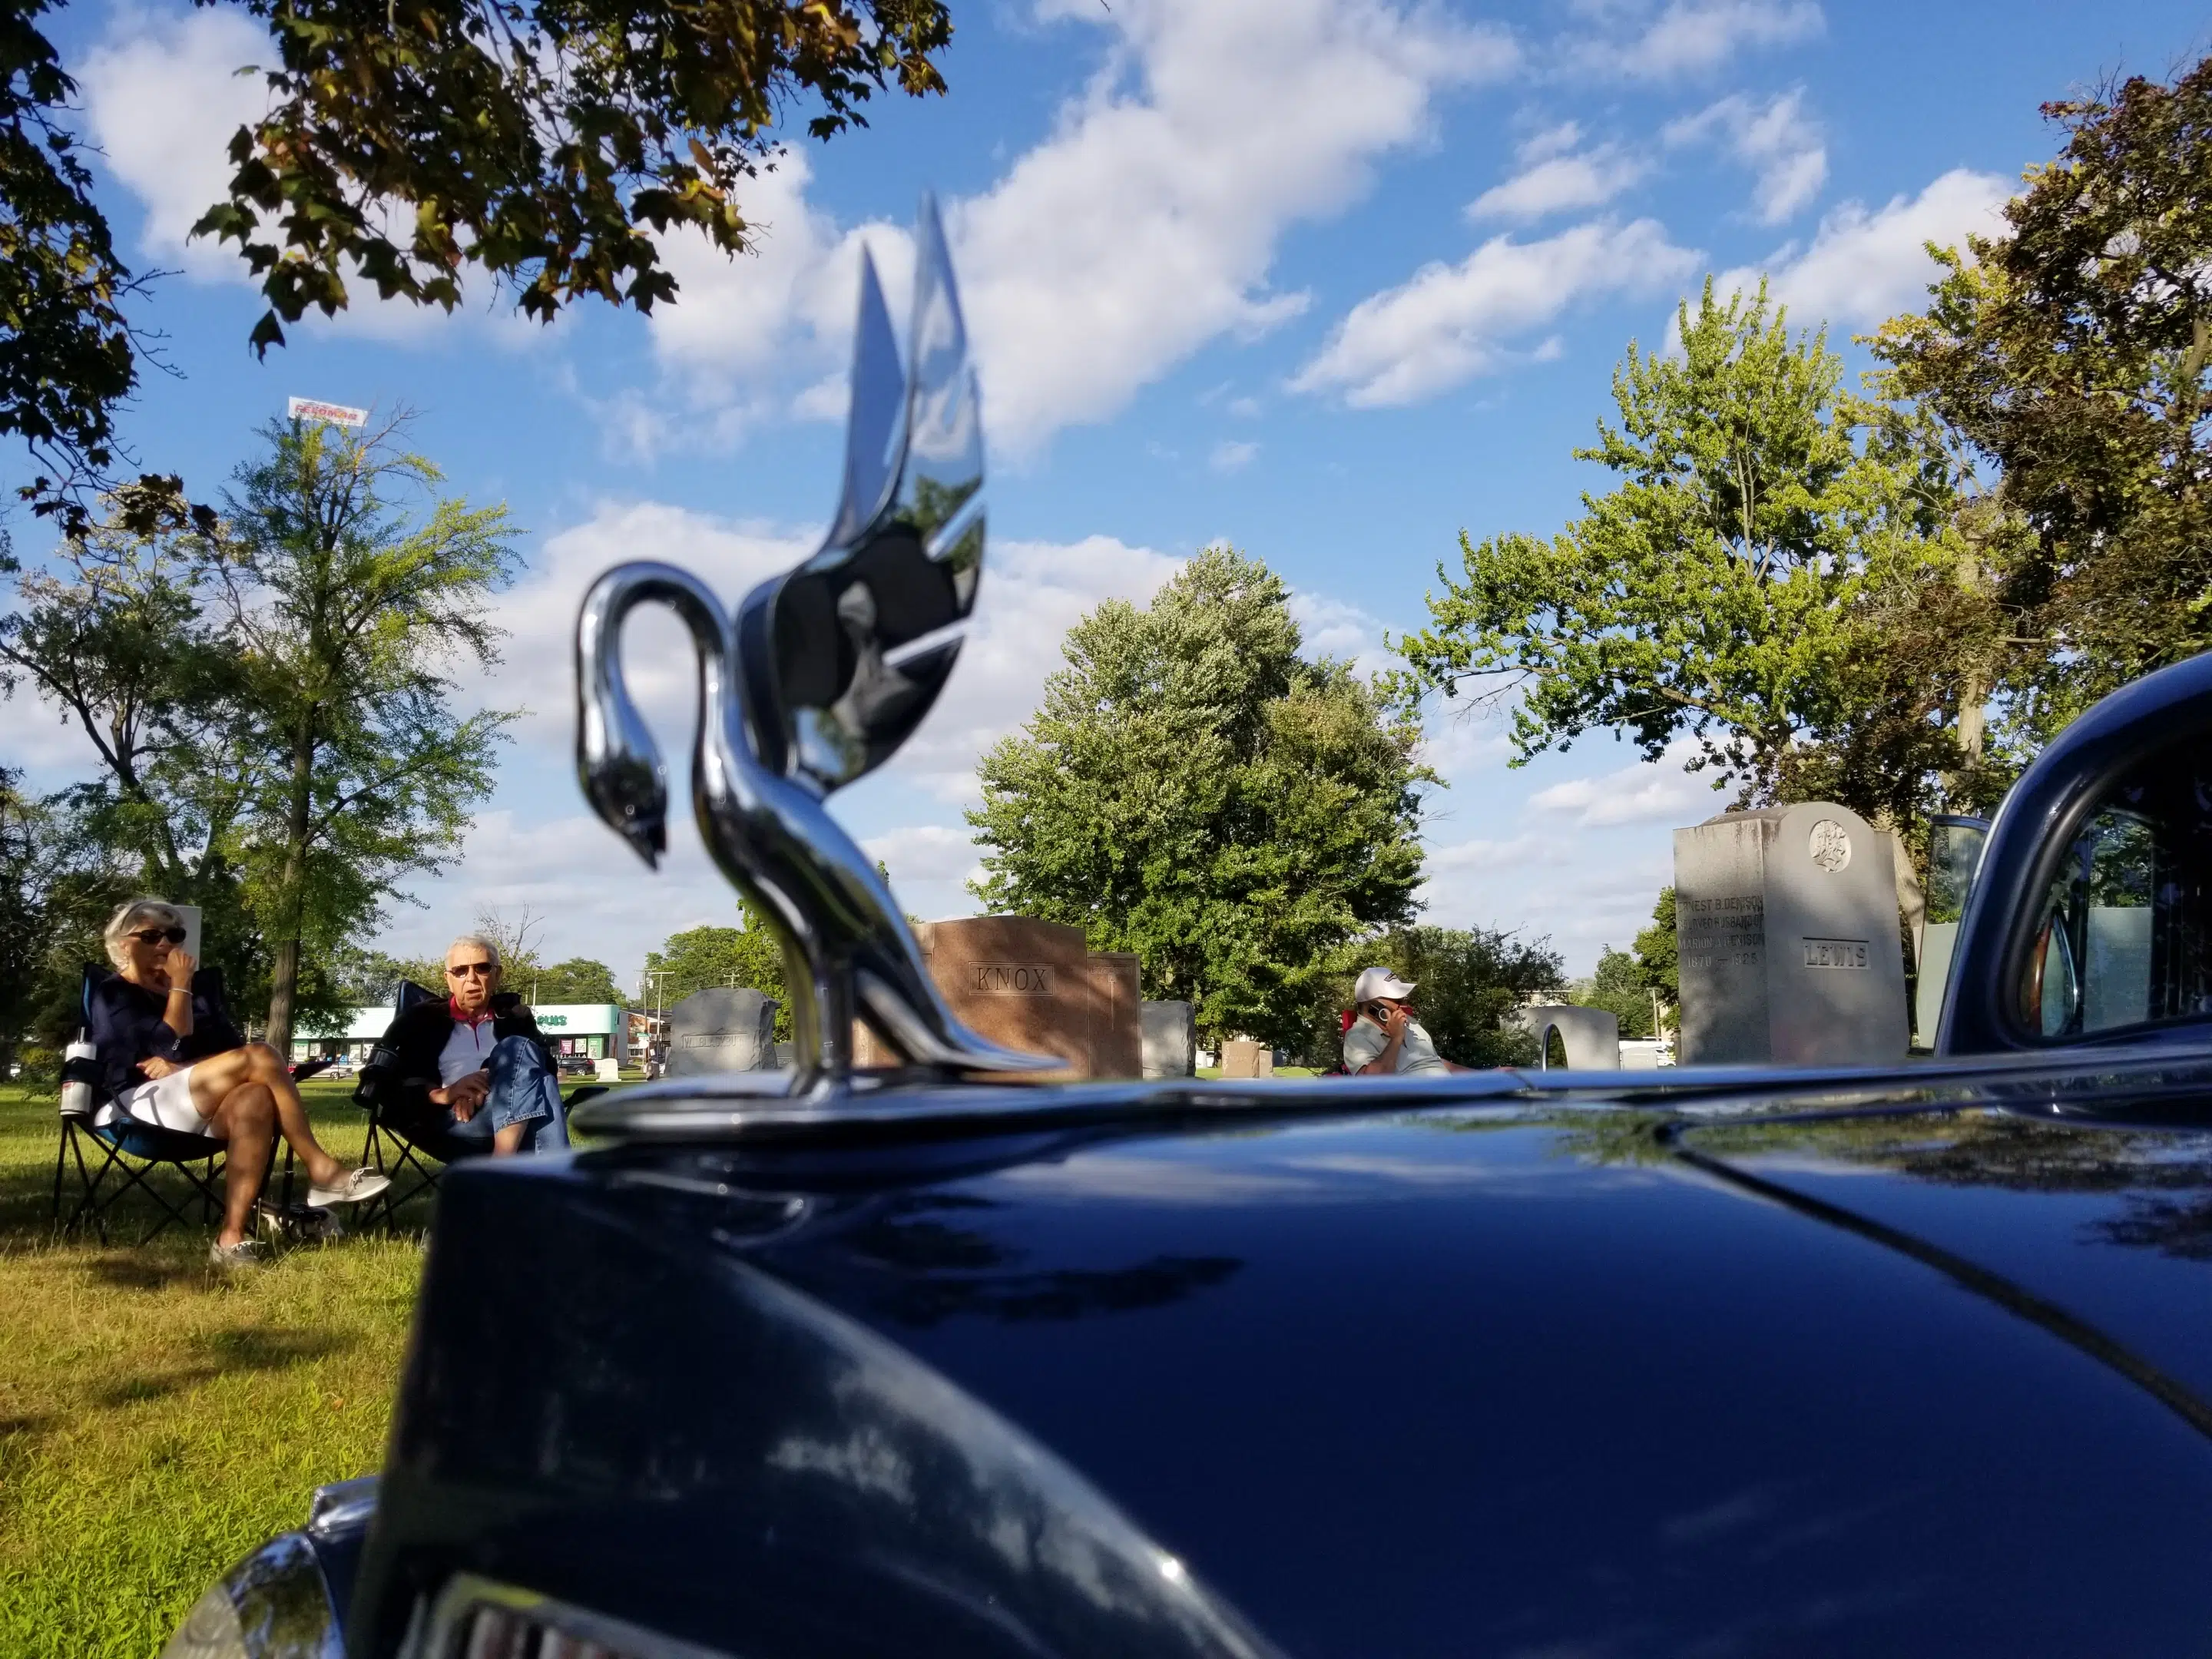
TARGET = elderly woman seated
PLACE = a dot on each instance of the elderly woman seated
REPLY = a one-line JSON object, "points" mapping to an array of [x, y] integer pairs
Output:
{"points": [[170, 1056]]}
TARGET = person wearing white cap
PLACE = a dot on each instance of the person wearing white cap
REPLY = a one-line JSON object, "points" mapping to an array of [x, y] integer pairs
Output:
{"points": [[1384, 1039]]}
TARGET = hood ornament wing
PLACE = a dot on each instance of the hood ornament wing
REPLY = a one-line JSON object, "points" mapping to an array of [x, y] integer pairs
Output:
{"points": [[817, 678]]}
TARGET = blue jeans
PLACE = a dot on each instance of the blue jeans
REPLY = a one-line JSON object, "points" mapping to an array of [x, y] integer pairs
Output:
{"points": [[524, 1089]]}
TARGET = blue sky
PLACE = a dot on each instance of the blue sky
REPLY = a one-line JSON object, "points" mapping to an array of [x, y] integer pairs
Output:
{"points": [[1331, 280]]}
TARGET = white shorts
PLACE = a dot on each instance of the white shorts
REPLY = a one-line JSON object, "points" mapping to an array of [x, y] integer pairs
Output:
{"points": [[166, 1102]]}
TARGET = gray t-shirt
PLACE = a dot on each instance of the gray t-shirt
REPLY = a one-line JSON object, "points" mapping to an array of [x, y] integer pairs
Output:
{"points": [[1364, 1042]]}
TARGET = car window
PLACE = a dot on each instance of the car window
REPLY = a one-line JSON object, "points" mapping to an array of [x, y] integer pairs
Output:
{"points": [[2124, 934]]}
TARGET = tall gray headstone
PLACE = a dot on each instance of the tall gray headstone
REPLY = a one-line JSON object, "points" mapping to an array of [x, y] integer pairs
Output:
{"points": [[721, 1029], [1169, 1036], [1786, 922]]}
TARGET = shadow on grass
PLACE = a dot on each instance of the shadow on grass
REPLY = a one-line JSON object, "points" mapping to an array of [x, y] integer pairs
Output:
{"points": [[30, 1141], [144, 1272], [244, 1348]]}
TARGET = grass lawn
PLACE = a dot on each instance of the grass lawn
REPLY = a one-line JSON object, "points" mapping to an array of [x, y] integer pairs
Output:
{"points": [[158, 1419]]}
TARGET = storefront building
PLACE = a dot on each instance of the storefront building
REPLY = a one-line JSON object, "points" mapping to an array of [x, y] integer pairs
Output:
{"points": [[593, 1029]]}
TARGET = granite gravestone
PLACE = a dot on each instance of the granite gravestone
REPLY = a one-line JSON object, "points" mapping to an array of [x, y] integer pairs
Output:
{"points": [[1786, 925], [721, 1029], [1589, 1037], [1033, 986], [1170, 1037], [1242, 1057]]}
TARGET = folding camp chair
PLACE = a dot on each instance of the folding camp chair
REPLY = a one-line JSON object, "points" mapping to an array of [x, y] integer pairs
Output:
{"points": [[418, 1148], [127, 1148]]}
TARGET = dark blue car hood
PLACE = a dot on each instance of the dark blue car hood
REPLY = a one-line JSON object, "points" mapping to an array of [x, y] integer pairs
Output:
{"points": [[1523, 1379]]}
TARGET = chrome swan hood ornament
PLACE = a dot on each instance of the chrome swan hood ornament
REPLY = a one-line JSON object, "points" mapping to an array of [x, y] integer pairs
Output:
{"points": [[816, 680]]}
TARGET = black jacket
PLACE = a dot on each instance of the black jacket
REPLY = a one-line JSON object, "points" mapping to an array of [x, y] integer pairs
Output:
{"points": [[127, 1028], [408, 1056]]}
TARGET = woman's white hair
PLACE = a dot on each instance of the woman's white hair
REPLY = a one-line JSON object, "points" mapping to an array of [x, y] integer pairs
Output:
{"points": [[129, 917], [481, 944]]}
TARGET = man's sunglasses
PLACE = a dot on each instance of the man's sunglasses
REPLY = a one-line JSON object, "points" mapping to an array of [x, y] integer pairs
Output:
{"points": [[472, 970], [156, 935]]}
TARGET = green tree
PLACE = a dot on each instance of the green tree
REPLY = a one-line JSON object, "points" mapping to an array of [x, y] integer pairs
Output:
{"points": [[579, 979], [1193, 790], [1734, 588], [58, 885], [347, 615], [1617, 986], [115, 634], [2074, 351], [1658, 959], [1465, 982], [362, 978], [552, 146], [700, 957]]}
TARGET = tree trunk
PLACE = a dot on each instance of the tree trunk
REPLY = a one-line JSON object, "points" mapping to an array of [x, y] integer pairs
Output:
{"points": [[1973, 681], [284, 969]]}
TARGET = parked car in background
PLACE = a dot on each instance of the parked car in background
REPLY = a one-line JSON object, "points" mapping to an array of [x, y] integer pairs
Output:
{"points": [[1904, 1360]]}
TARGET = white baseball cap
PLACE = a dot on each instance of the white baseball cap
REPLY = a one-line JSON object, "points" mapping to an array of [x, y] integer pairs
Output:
{"points": [[1381, 982]]}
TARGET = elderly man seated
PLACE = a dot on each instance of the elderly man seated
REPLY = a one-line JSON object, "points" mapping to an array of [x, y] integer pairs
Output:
{"points": [[474, 1065]]}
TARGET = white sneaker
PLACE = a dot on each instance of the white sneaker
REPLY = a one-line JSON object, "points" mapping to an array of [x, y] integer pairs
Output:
{"points": [[353, 1186], [246, 1253]]}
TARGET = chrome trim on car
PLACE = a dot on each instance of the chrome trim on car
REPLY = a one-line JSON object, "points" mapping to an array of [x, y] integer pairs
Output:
{"points": [[275, 1604], [475, 1616], [344, 1506]]}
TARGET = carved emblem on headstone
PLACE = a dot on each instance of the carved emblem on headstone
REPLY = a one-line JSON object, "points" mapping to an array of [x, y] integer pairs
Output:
{"points": [[1831, 845]]}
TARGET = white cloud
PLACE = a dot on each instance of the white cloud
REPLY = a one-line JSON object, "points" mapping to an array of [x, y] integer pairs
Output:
{"points": [[1032, 593], [1450, 322], [1554, 178], [1560, 185], [538, 675], [1694, 37], [599, 898], [921, 853], [1232, 455], [742, 329], [1142, 228], [162, 101], [1863, 267], [162, 98], [1646, 792], [1777, 140], [1331, 627]]}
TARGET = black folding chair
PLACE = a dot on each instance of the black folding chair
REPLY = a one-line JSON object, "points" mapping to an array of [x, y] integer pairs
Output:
{"points": [[128, 1149], [419, 1145]]}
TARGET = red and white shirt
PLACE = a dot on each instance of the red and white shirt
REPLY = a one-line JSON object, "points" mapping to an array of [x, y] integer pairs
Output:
{"points": [[469, 1048]]}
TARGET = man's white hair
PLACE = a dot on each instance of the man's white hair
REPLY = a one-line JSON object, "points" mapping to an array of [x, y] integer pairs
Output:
{"points": [[130, 916], [481, 944]]}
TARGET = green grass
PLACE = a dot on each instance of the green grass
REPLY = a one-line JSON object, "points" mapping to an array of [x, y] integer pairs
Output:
{"points": [[158, 1419]]}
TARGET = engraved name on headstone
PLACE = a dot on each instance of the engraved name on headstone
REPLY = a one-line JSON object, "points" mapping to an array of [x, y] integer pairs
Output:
{"points": [[1011, 979], [1786, 926], [1033, 986], [722, 1029]]}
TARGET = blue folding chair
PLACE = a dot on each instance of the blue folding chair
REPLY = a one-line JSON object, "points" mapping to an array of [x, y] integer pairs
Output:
{"points": [[127, 1148], [134, 1150], [418, 1143]]}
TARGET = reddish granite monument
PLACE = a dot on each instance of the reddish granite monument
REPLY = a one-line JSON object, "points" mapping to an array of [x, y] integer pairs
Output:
{"points": [[1033, 985]]}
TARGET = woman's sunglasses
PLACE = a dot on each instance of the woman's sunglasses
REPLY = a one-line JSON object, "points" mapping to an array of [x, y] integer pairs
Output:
{"points": [[156, 935]]}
